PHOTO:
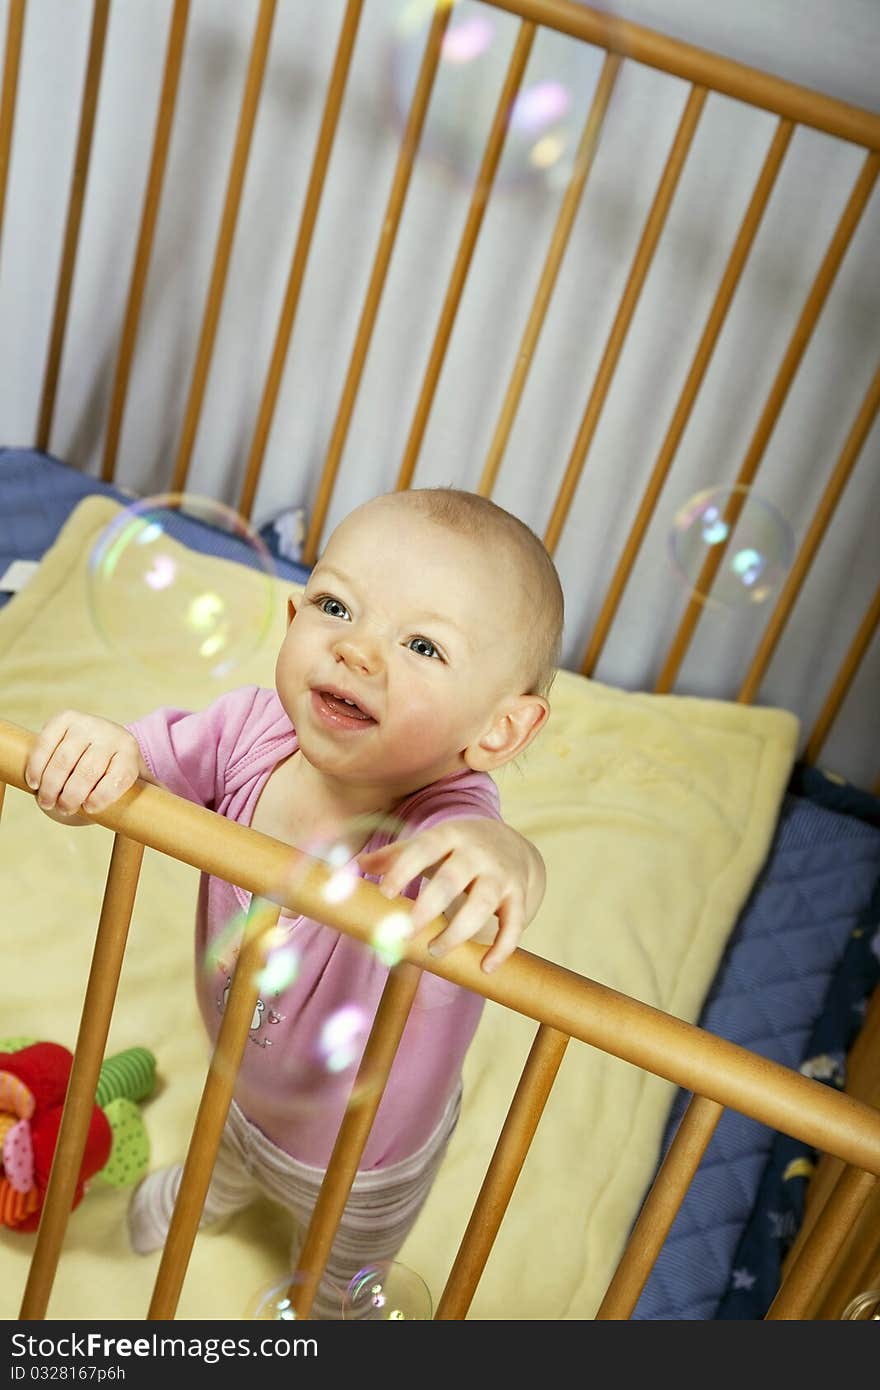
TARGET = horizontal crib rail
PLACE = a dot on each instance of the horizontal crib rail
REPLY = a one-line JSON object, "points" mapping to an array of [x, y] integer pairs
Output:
{"points": [[698, 65], [539, 989]]}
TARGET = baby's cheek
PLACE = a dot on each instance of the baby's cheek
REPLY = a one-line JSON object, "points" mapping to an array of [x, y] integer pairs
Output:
{"points": [[424, 727]]}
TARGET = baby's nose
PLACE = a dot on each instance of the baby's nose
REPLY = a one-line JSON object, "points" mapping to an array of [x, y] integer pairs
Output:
{"points": [[359, 652]]}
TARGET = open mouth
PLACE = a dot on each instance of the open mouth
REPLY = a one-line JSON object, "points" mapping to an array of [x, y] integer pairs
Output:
{"points": [[340, 712]]}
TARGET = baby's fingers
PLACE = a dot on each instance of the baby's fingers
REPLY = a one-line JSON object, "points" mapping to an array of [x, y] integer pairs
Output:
{"points": [[474, 911], [79, 783], [54, 780], [44, 748], [512, 920], [437, 894], [398, 864], [108, 788]]}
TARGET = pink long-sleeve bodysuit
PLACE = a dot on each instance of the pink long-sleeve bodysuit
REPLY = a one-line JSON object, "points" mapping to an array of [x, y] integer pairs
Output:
{"points": [[322, 987]]}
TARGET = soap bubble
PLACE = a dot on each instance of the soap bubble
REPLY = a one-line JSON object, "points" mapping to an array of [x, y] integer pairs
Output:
{"points": [[343, 1035], [387, 1291], [389, 938], [389, 934], [320, 1074], [549, 111], [281, 965], [274, 1302], [218, 964], [747, 536], [865, 1306], [320, 1083], [164, 591]]}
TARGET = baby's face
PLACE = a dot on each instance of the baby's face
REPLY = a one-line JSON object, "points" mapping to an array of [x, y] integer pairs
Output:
{"points": [[418, 627]]}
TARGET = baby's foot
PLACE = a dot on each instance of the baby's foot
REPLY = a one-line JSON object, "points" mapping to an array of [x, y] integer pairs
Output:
{"points": [[150, 1209]]}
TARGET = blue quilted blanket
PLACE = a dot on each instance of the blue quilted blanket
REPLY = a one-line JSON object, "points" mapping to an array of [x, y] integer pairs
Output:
{"points": [[803, 958], [38, 493]]}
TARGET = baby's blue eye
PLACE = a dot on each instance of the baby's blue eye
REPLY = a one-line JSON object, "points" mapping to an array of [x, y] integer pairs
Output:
{"points": [[332, 607], [422, 647]]}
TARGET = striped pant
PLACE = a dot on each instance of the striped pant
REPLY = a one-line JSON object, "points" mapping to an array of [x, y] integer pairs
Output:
{"points": [[381, 1209]]}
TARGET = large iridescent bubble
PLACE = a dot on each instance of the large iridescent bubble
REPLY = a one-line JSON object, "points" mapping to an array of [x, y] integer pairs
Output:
{"points": [[181, 585], [731, 547], [863, 1306], [274, 1302], [545, 120], [387, 1291]]}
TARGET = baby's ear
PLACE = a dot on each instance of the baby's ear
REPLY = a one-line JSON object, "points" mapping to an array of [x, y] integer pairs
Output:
{"points": [[291, 611], [511, 731]]}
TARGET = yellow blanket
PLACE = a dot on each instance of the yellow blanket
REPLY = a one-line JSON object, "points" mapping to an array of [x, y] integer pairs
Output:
{"points": [[653, 813]]}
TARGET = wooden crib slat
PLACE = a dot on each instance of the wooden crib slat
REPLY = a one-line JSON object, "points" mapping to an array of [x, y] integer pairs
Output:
{"points": [[100, 996], [627, 307], [821, 1247], [861, 1067], [238, 1014], [476, 210], [390, 224], [81, 161], [149, 214], [702, 357], [818, 526], [243, 137], [856, 1266], [311, 206], [843, 680], [372, 1074], [868, 1283], [517, 1133], [583, 162], [660, 1207], [11, 66], [863, 1082], [798, 104], [821, 1187], [797, 346]]}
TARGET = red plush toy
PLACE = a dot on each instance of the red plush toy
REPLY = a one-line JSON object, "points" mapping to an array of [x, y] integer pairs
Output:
{"points": [[33, 1084]]}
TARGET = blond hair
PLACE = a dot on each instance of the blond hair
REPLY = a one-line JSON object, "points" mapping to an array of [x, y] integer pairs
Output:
{"points": [[473, 515]]}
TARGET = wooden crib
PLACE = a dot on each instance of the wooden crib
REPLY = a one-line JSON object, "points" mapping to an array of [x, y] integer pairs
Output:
{"points": [[838, 1251]]}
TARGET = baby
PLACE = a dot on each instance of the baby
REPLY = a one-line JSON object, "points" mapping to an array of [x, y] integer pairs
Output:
{"points": [[418, 660]]}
